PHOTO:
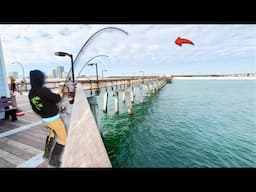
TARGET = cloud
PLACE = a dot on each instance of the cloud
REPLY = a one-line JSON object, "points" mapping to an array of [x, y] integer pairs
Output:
{"points": [[154, 44]]}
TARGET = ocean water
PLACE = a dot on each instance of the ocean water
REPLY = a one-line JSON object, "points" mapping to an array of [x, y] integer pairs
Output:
{"points": [[188, 123]]}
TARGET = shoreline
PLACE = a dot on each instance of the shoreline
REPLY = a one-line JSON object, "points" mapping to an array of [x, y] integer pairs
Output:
{"points": [[214, 78]]}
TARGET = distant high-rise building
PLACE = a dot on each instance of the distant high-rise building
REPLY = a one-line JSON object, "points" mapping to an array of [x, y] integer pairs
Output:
{"points": [[64, 74], [59, 71], [54, 75]]}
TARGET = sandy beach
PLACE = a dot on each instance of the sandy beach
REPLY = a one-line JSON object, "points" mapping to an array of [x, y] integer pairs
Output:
{"points": [[215, 78]]}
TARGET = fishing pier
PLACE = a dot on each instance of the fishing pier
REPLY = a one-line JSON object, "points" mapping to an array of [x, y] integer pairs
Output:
{"points": [[22, 141]]}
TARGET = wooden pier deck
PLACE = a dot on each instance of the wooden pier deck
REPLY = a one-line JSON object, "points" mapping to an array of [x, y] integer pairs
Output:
{"points": [[22, 141]]}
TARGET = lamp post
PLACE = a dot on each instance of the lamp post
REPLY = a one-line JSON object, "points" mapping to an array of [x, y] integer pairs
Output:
{"points": [[63, 54], [16, 62], [142, 76], [103, 72], [133, 75], [97, 76], [90, 61]]}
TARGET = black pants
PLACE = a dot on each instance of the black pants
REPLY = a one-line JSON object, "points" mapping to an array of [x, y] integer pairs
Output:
{"points": [[13, 87], [11, 113]]}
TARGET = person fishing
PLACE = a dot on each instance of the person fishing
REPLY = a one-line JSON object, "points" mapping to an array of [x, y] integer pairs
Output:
{"points": [[71, 90], [44, 103]]}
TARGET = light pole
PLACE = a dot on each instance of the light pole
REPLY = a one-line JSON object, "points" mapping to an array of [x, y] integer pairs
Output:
{"points": [[103, 72], [97, 76], [142, 73], [142, 76], [90, 61], [133, 75], [23, 73], [63, 54]]}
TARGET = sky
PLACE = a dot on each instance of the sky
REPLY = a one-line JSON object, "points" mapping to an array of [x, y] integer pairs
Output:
{"points": [[218, 49]]}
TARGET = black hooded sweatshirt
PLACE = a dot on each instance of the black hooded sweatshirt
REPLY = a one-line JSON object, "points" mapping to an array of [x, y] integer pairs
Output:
{"points": [[43, 101]]}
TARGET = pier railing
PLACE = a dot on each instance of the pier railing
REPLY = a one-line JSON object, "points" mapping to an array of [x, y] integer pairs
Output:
{"points": [[93, 85]]}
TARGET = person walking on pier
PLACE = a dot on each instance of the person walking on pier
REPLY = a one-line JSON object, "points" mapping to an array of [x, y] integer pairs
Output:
{"points": [[44, 103], [13, 83]]}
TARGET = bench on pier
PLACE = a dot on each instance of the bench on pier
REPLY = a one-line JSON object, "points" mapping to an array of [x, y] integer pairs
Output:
{"points": [[8, 106]]}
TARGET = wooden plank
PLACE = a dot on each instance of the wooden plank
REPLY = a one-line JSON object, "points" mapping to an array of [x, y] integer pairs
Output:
{"points": [[15, 123], [10, 157], [5, 164], [36, 133], [32, 136], [39, 129], [6, 127], [32, 162], [31, 117], [15, 151], [38, 145], [26, 120], [22, 128], [21, 146]]}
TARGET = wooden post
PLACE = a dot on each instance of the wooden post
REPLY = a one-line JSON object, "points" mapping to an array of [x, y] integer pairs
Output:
{"points": [[153, 88], [147, 90], [159, 85], [134, 91], [116, 102], [123, 99], [130, 112], [132, 96], [141, 95], [105, 103]]}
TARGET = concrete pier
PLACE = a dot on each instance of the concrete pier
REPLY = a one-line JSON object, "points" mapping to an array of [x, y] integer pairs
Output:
{"points": [[129, 105], [116, 102], [132, 95], [22, 142], [141, 94], [124, 95], [134, 91], [84, 147], [105, 103]]}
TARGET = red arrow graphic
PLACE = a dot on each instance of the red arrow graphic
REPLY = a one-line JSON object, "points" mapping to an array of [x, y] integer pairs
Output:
{"points": [[179, 41]]}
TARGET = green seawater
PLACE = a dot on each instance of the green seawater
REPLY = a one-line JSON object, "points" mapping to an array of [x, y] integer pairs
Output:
{"points": [[188, 123]]}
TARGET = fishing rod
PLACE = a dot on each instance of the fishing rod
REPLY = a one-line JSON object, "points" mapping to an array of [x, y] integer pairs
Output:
{"points": [[86, 44]]}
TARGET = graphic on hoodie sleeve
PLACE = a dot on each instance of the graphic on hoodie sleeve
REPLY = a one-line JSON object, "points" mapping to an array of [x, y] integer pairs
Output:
{"points": [[36, 102]]}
